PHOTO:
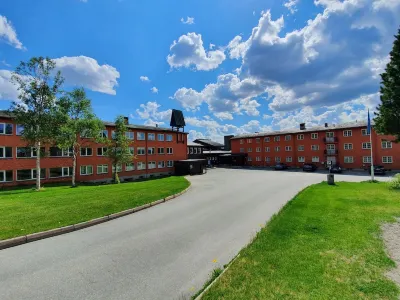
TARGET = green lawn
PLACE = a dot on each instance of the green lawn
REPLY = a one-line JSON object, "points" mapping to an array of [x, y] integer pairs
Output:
{"points": [[324, 244], [23, 211]]}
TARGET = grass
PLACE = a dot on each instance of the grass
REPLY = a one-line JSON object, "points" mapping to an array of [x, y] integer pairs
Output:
{"points": [[324, 244], [215, 273], [24, 211]]}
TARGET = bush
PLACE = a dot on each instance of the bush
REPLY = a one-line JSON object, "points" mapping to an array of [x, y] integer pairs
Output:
{"points": [[395, 182]]}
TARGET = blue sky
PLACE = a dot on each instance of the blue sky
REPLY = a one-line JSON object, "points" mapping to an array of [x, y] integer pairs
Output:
{"points": [[232, 66]]}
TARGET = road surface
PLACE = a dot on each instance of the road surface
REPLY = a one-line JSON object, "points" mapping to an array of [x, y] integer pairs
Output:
{"points": [[165, 252]]}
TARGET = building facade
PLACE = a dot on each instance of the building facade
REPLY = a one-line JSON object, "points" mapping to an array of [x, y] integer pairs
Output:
{"points": [[346, 144], [155, 150]]}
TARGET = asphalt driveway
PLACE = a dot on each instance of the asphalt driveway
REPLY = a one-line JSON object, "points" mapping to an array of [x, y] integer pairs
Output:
{"points": [[165, 252]]}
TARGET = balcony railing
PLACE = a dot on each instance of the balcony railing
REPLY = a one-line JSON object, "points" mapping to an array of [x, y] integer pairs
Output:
{"points": [[331, 152], [330, 140]]}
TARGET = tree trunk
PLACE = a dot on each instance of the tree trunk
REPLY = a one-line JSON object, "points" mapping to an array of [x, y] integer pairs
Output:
{"points": [[38, 166], [74, 169]]}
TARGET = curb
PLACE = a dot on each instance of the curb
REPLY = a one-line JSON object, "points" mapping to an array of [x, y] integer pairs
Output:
{"points": [[58, 231]]}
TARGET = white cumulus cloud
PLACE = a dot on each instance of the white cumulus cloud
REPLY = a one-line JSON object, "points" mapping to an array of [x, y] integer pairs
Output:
{"points": [[8, 33], [154, 90], [8, 91], [144, 78], [189, 21]]}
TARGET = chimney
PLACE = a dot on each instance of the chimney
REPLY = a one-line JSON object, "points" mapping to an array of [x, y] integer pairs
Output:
{"points": [[302, 126], [326, 125], [126, 120]]}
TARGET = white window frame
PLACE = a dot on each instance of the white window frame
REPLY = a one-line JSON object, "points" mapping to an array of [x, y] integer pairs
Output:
{"points": [[364, 132], [300, 137], [4, 130], [169, 138], [80, 152], [162, 152], [33, 171], [288, 137], [151, 165], [288, 148], [258, 158], [151, 150], [366, 146], [160, 137], [141, 165], [349, 159], [267, 139], [258, 149], [170, 164], [289, 159], [249, 149], [4, 152], [367, 159], [258, 140], [301, 159], [102, 167], [386, 144], [130, 167], [86, 170], [33, 152], [348, 146], [241, 141], [330, 134], [300, 148], [268, 159], [314, 147], [277, 149], [162, 164], [151, 136], [277, 138], [347, 133], [130, 135], [16, 129], [387, 159], [330, 147], [267, 149], [314, 136], [249, 141], [4, 175], [104, 133], [170, 151], [131, 150], [140, 136], [277, 159], [315, 159], [141, 150], [103, 151]]}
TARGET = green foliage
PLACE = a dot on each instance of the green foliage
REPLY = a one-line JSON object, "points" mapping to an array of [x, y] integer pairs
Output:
{"points": [[79, 120], [38, 87], [118, 147], [395, 182], [23, 211], [214, 275], [387, 119], [324, 244]]}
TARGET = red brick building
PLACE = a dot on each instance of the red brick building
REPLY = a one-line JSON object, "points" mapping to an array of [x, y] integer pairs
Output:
{"points": [[155, 149], [346, 144]]}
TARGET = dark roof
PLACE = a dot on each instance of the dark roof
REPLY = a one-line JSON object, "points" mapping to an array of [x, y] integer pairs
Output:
{"points": [[193, 144], [3, 114], [208, 142], [297, 130], [177, 119]]}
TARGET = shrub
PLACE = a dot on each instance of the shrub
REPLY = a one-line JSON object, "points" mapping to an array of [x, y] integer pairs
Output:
{"points": [[395, 182]]}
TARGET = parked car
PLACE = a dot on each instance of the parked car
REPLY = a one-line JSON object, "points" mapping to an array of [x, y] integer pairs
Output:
{"points": [[335, 169], [281, 166], [378, 170], [309, 167]]}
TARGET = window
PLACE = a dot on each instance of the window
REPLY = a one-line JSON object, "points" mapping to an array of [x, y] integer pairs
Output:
{"points": [[258, 149], [249, 141], [315, 159], [191, 150], [288, 137], [118, 168], [386, 145], [277, 149], [86, 152], [288, 148], [288, 159], [160, 150], [387, 159], [141, 151], [6, 176], [301, 159], [103, 134], [170, 163], [249, 159], [277, 138], [249, 149], [367, 159], [19, 129], [348, 159], [170, 150], [314, 147], [330, 134], [277, 159], [348, 146], [141, 136], [268, 159], [129, 167], [86, 170], [241, 141], [161, 164], [314, 136], [366, 145], [151, 137], [151, 150], [5, 152], [300, 137], [102, 169], [151, 165], [131, 150], [258, 140], [169, 137], [195, 150], [364, 132], [267, 139], [60, 172], [242, 150], [258, 158], [160, 137], [300, 148], [141, 165], [6, 128], [28, 152], [347, 133], [30, 174], [330, 147], [130, 135], [58, 152], [199, 150]]}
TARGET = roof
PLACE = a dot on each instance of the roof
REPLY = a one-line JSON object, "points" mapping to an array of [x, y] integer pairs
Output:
{"points": [[4, 114], [216, 152], [208, 142], [194, 144], [297, 130], [191, 160]]}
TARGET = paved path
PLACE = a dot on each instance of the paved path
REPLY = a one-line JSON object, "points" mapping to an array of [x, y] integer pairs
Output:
{"points": [[165, 252]]}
